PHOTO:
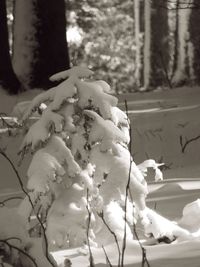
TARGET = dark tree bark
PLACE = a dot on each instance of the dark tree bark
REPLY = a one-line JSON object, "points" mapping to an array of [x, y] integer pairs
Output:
{"points": [[8, 78], [138, 60], [159, 44], [194, 30], [156, 46], [40, 46], [175, 57], [182, 71]]}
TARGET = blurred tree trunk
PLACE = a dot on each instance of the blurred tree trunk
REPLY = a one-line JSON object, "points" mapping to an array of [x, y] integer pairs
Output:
{"points": [[175, 56], [156, 48], [182, 57], [147, 43], [138, 62], [194, 44], [8, 78], [40, 46]]}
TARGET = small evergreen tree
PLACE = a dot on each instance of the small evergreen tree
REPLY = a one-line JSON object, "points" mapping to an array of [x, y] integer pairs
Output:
{"points": [[86, 138], [82, 179]]}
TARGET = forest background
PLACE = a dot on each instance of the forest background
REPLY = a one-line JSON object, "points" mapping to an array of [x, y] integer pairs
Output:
{"points": [[135, 45]]}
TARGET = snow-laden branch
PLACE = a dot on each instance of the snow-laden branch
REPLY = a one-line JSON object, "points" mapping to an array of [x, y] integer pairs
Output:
{"points": [[64, 92], [104, 131], [96, 95], [77, 72]]}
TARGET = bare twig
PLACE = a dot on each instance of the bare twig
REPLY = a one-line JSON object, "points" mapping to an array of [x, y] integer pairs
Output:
{"points": [[19, 250], [101, 215], [91, 259], [2, 203], [13, 238], [32, 206], [107, 259], [144, 256], [127, 191], [165, 166], [187, 142]]}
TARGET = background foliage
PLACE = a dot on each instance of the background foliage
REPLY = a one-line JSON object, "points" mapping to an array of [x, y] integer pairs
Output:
{"points": [[102, 35], [107, 39]]}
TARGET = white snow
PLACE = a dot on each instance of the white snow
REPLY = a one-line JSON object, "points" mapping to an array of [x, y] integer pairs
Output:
{"points": [[95, 94], [104, 131], [77, 72], [68, 216]]}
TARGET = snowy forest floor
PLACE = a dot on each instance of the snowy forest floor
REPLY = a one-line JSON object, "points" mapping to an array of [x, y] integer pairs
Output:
{"points": [[162, 123]]}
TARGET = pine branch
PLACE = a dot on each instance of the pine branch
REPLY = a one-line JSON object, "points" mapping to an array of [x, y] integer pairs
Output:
{"points": [[32, 206]]}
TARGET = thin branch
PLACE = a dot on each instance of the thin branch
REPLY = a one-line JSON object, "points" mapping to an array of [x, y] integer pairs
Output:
{"points": [[2, 203], [19, 250], [165, 166], [187, 142], [101, 215], [144, 256], [15, 124], [32, 206], [91, 259], [13, 238], [127, 191], [107, 259]]}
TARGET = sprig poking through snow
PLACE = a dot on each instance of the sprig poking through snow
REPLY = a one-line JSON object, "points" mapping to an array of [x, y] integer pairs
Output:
{"points": [[150, 163]]}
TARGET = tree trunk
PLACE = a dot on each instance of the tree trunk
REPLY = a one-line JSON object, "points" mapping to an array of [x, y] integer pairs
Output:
{"points": [[147, 43], [8, 78], [194, 44], [176, 30], [40, 46], [137, 43], [156, 48], [183, 55]]}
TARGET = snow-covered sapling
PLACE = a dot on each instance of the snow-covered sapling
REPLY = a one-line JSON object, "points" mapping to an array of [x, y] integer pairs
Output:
{"points": [[81, 159]]}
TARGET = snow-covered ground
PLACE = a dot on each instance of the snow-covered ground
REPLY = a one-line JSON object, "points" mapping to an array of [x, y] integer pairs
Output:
{"points": [[158, 120]]}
